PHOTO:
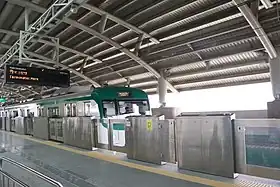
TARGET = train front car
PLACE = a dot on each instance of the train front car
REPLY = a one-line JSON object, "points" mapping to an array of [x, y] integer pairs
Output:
{"points": [[115, 104]]}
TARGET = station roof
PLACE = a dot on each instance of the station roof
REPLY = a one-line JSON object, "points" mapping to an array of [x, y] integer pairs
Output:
{"points": [[196, 43]]}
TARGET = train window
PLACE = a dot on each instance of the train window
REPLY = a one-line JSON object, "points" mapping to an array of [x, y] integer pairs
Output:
{"points": [[74, 110], [41, 112], [21, 112], [53, 112], [109, 108], [56, 111], [28, 113], [15, 114], [87, 107], [68, 110]]}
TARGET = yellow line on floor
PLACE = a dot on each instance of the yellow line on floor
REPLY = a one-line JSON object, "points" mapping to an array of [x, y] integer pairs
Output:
{"points": [[115, 160]]}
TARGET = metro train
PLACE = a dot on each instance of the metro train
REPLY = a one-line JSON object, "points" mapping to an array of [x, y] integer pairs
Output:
{"points": [[100, 103]]}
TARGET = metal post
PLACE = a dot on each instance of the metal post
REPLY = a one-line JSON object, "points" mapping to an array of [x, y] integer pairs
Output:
{"points": [[21, 46], [110, 135], [26, 18], [57, 51], [275, 75], [255, 8], [162, 90], [138, 44], [102, 23]]}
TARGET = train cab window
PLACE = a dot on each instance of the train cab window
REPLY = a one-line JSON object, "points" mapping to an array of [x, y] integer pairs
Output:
{"points": [[133, 107], [74, 110], [109, 108]]}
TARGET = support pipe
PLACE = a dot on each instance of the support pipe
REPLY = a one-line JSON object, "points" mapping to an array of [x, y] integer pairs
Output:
{"points": [[162, 90], [26, 18]]}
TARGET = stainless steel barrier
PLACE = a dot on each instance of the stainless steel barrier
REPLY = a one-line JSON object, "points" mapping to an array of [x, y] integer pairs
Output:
{"points": [[257, 147], [41, 128], [13, 125], [205, 144], [109, 134], [20, 125], [78, 132], [29, 125], [8, 180], [3, 119], [56, 129], [8, 124], [150, 139]]}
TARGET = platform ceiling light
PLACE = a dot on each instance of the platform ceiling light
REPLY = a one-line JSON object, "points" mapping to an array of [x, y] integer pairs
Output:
{"points": [[267, 4]]}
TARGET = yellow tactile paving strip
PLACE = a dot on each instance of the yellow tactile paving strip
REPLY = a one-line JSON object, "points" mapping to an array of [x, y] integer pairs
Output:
{"points": [[112, 159]]}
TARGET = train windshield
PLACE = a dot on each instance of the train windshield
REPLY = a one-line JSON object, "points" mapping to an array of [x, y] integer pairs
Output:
{"points": [[122, 107], [133, 107]]}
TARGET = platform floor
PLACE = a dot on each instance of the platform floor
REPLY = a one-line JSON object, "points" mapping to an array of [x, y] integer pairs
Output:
{"points": [[76, 167]]}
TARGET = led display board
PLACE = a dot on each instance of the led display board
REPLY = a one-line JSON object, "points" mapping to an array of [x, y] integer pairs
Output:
{"points": [[123, 94], [36, 76]]}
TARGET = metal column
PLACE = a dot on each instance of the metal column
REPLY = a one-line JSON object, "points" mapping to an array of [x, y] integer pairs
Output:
{"points": [[26, 18], [273, 109], [162, 90], [275, 75]]}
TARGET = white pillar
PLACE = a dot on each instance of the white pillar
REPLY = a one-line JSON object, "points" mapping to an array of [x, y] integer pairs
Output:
{"points": [[26, 18], [162, 90], [275, 75]]}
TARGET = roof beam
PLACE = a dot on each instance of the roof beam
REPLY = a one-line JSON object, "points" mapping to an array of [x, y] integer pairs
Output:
{"points": [[227, 83], [256, 26], [47, 17], [5, 89], [118, 46], [120, 21], [264, 58], [241, 77], [254, 6], [131, 41], [202, 70], [12, 33], [267, 4], [222, 75]]}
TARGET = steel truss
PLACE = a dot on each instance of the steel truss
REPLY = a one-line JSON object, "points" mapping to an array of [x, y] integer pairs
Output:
{"points": [[23, 40], [47, 17]]}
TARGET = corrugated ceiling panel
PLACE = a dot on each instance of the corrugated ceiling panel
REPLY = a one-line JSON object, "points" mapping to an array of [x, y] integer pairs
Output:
{"points": [[236, 59], [194, 5], [188, 67], [225, 81], [222, 72]]}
